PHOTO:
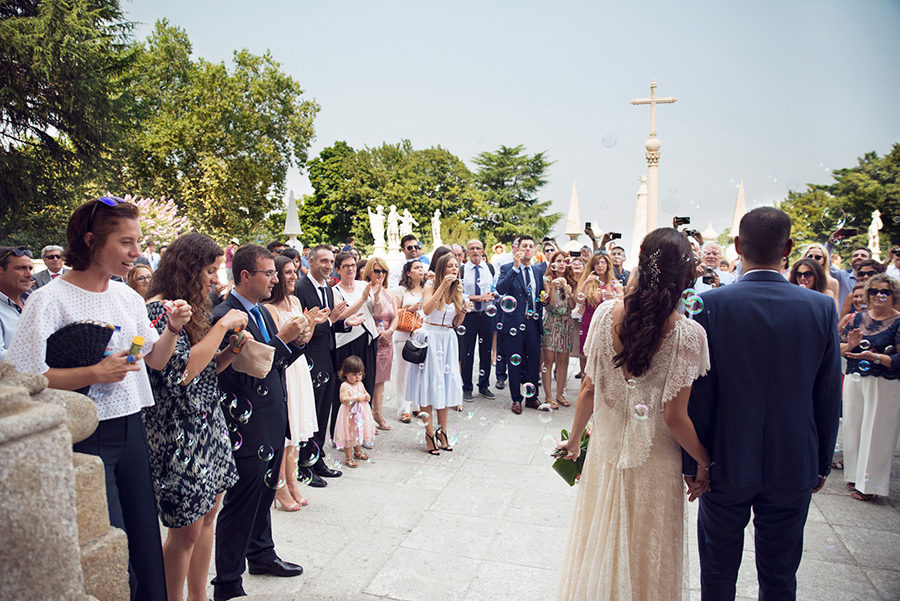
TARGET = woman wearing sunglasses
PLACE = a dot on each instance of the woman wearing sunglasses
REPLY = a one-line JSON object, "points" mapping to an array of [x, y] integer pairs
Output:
{"points": [[103, 240], [386, 317], [361, 297], [809, 274], [870, 343], [817, 253]]}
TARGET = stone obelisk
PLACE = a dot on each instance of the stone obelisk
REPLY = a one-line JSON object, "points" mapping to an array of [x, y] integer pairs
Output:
{"points": [[292, 223], [740, 208], [652, 145], [574, 226], [640, 224]]}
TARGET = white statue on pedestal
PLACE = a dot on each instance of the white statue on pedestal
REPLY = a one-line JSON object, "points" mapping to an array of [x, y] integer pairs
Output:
{"points": [[406, 223], [376, 225], [436, 229], [874, 242], [393, 230]]}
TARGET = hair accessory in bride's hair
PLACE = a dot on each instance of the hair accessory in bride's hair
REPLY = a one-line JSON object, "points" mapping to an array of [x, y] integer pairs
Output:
{"points": [[653, 268]]}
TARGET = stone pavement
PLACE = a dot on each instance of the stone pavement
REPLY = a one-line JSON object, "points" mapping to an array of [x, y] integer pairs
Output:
{"points": [[489, 521]]}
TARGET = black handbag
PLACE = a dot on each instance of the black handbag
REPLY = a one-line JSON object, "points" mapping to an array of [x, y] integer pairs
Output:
{"points": [[414, 351]]}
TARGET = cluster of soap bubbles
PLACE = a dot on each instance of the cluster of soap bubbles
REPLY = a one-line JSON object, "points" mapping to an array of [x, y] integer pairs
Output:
{"points": [[693, 304], [322, 378]]}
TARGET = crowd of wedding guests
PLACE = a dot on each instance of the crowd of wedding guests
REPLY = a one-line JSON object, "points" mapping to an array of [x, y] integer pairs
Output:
{"points": [[240, 387]]}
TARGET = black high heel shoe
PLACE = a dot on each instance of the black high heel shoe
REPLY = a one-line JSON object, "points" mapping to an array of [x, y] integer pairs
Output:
{"points": [[432, 448], [442, 438]]}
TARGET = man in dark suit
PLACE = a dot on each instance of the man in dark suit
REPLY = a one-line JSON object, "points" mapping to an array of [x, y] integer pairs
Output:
{"points": [[520, 334], [313, 291], [256, 413], [767, 411]]}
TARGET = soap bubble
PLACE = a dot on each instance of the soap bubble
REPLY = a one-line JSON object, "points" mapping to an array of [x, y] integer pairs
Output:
{"points": [[695, 204], [641, 412], [580, 296], [446, 368], [513, 331], [491, 311], [236, 440], [323, 377], [864, 366], [529, 390], [515, 359], [499, 325], [262, 390], [422, 419], [508, 304], [545, 407], [482, 421], [528, 314], [773, 179], [833, 219], [522, 327], [481, 372], [688, 293], [312, 452], [274, 478], [609, 140], [864, 344], [548, 443], [310, 363], [669, 205], [855, 377], [304, 475], [333, 462], [825, 167], [265, 452], [829, 542], [470, 413], [461, 330], [630, 383], [240, 409], [694, 305], [182, 456], [866, 477]]}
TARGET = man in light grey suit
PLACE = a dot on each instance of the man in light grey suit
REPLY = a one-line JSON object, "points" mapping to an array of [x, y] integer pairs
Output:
{"points": [[52, 257]]}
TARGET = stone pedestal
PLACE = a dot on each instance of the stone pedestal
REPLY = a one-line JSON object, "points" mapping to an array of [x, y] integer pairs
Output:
{"points": [[58, 541]]}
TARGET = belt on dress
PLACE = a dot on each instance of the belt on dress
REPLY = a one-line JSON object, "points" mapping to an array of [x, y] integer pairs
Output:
{"points": [[440, 325]]}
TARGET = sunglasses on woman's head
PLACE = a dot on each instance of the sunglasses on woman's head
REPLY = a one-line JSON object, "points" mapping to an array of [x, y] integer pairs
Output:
{"points": [[109, 201]]}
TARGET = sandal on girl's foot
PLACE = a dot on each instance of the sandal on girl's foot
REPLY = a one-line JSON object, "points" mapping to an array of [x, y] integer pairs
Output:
{"points": [[563, 401], [361, 455], [349, 462], [837, 465], [552, 404], [861, 496], [431, 445], [459, 407], [289, 506], [405, 418], [442, 439]]}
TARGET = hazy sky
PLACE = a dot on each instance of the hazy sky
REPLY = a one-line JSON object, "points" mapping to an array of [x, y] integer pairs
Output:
{"points": [[775, 93]]}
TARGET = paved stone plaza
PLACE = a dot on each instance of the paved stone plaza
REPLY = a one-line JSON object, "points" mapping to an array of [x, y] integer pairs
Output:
{"points": [[489, 522]]}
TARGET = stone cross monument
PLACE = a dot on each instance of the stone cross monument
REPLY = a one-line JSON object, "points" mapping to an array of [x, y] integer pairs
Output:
{"points": [[652, 145]]}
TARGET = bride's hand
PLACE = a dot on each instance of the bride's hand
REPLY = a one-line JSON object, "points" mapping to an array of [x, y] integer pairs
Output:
{"points": [[697, 485], [572, 448]]}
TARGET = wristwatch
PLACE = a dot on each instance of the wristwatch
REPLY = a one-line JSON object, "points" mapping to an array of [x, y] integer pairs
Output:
{"points": [[877, 359]]}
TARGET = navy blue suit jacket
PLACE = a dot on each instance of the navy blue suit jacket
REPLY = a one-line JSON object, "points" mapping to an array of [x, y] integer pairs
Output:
{"points": [[768, 409], [512, 284]]}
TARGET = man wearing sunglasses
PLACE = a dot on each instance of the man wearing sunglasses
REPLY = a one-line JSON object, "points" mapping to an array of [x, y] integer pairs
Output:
{"points": [[15, 282], [412, 251], [847, 278], [52, 257]]}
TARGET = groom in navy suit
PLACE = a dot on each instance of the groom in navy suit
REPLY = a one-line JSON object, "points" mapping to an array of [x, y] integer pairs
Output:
{"points": [[767, 411], [520, 332]]}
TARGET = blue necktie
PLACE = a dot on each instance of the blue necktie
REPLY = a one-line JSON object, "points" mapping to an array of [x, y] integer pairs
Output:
{"points": [[478, 285], [259, 321]]}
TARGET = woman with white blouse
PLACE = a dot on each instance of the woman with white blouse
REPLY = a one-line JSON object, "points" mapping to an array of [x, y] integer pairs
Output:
{"points": [[409, 297], [103, 241]]}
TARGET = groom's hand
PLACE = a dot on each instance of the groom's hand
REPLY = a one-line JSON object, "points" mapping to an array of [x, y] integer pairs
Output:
{"points": [[819, 485], [695, 487]]}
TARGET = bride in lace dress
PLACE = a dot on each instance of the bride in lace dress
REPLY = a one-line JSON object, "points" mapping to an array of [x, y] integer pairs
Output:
{"points": [[626, 539]]}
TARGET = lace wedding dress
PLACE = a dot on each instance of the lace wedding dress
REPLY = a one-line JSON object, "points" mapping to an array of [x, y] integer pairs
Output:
{"points": [[626, 541]]}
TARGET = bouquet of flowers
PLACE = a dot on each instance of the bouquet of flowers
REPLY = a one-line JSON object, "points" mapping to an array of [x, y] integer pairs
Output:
{"points": [[569, 470]]}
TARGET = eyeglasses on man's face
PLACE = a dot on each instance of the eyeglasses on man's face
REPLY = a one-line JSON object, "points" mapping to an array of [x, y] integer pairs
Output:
{"points": [[53, 257], [266, 272]]}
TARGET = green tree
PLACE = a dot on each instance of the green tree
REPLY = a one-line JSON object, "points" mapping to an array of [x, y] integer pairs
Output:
{"points": [[511, 180], [218, 139], [874, 183], [62, 108], [346, 182]]}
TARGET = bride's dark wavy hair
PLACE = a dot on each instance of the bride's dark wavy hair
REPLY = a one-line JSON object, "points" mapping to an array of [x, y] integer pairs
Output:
{"points": [[665, 268]]}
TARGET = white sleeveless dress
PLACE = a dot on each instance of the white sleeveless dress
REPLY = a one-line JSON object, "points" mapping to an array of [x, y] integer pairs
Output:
{"points": [[437, 382]]}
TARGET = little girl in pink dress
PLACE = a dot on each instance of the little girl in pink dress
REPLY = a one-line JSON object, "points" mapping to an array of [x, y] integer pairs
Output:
{"points": [[355, 424]]}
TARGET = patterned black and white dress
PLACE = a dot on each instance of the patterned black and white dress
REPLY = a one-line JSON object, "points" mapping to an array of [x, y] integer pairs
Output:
{"points": [[190, 451]]}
